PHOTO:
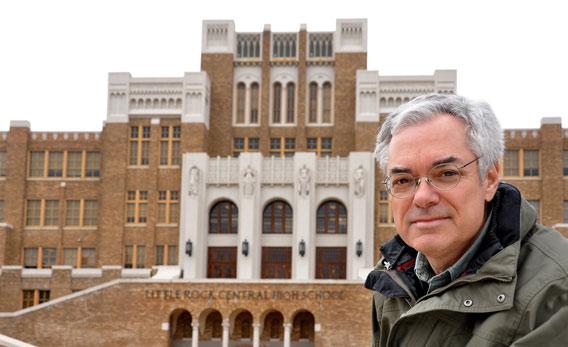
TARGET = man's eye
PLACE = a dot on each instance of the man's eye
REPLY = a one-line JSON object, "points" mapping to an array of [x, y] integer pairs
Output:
{"points": [[448, 173], [399, 181]]}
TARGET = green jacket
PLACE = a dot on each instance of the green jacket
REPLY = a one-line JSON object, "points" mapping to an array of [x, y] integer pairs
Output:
{"points": [[514, 292]]}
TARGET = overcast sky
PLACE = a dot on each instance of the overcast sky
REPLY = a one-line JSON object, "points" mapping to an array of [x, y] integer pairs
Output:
{"points": [[56, 55]]}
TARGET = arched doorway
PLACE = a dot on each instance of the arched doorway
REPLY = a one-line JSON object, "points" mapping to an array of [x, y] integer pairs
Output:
{"points": [[242, 331], [180, 328], [273, 330], [303, 329]]}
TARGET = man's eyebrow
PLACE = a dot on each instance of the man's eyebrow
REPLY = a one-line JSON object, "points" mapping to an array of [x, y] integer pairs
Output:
{"points": [[402, 169]]}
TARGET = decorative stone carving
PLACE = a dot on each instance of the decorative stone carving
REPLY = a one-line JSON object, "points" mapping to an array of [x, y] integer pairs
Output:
{"points": [[359, 176], [304, 179], [193, 185], [249, 181]]}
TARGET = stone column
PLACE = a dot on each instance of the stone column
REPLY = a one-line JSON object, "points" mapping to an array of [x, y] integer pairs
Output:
{"points": [[195, 334], [226, 324], [287, 334], [256, 335]]}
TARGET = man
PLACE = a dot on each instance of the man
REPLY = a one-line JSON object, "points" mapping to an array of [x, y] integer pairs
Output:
{"points": [[469, 265]]}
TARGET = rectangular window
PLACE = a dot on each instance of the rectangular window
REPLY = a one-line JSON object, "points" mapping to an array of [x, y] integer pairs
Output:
{"points": [[565, 166], [74, 164], [276, 262], [31, 258], [172, 255], [33, 213], [70, 256], [88, 259], [282, 146], [93, 164], [81, 213], [245, 144], [321, 145], [31, 297], [128, 257], [160, 253], [565, 212], [331, 262], [2, 218], [2, 164], [48, 257], [73, 213], [166, 254], [136, 207], [37, 164], [168, 207], [531, 163], [55, 164], [170, 145], [385, 215], [521, 163], [90, 212], [222, 262], [134, 257], [511, 162], [139, 145], [51, 214]]}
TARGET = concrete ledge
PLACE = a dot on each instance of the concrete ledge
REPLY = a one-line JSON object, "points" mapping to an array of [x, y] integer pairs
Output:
{"points": [[87, 273], [20, 124], [136, 273], [37, 273], [12, 267], [111, 267], [11, 342], [550, 120]]}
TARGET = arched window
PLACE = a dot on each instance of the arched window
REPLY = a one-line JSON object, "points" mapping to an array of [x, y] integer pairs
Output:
{"points": [[332, 218], [223, 218], [254, 103], [313, 105], [213, 325], [277, 218], [241, 95], [273, 326], [290, 109], [303, 326], [180, 324], [326, 103], [276, 102], [243, 326]]}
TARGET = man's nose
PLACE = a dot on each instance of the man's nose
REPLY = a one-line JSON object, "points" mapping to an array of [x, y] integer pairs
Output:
{"points": [[425, 195]]}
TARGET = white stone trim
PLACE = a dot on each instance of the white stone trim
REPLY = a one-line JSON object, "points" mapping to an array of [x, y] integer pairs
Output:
{"points": [[36, 273], [87, 273], [12, 342], [135, 273], [20, 124]]}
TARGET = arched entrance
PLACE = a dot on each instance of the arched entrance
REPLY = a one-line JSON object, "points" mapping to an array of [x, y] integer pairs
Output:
{"points": [[180, 328], [212, 333], [273, 330], [242, 331], [303, 329]]}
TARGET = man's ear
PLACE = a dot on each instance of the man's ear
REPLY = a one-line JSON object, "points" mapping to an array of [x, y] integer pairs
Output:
{"points": [[491, 181]]}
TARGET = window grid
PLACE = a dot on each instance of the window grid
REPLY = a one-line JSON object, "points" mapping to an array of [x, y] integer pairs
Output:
{"points": [[2, 217], [136, 207], [139, 145], [320, 100], [245, 144], [2, 163], [222, 262], [134, 256], [64, 164], [81, 213], [277, 218], [42, 213], [39, 257], [565, 212], [385, 210], [521, 163], [276, 262], [331, 262], [166, 255], [224, 218], [332, 218], [282, 147], [323, 146], [31, 297], [168, 207], [170, 146]]}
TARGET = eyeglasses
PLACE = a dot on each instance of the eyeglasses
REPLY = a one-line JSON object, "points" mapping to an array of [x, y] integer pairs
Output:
{"points": [[442, 177]]}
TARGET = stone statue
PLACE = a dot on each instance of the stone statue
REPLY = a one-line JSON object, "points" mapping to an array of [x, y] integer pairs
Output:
{"points": [[304, 179], [249, 181], [194, 181], [359, 181]]}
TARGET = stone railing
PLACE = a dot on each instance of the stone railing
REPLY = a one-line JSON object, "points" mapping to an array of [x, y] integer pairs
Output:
{"points": [[278, 171], [332, 171], [223, 171]]}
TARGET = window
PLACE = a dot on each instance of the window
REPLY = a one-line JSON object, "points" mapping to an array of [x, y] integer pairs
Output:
{"points": [[282, 146], [530, 163], [247, 113], [42, 213], [276, 103], [321, 45], [284, 45], [33, 297], [565, 212], [290, 102], [277, 218], [39, 257], [565, 162], [521, 163], [222, 262], [81, 213], [166, 255], [332, 218], [385, 211], [245, 144], [79, 257], [248, 45], [2, 164], [137, 207], [139, 145], [276, 262], [331, 262], [134, 257], [170, 146], [2, 218], [320, 99], [64, 164], [168, 210], [321, 145], [223, 218]]}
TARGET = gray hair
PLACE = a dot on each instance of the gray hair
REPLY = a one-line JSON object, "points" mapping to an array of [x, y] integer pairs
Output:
{"points": [[484, 134]]}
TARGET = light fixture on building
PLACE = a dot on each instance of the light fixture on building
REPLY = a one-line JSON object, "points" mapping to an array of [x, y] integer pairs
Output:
{"points": [[189, 248], [302, 248], [245, 248], [359, 248]]}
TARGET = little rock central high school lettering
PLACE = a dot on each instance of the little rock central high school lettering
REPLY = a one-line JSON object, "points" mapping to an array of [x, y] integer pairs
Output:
{"points": [[228, 295]]}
